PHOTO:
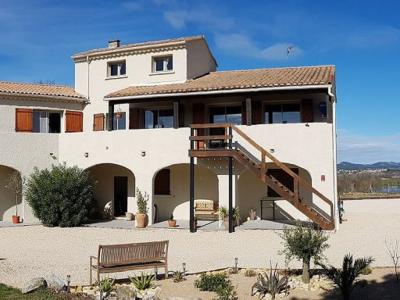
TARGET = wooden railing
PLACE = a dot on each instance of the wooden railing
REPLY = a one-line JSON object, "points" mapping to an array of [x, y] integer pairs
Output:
{"points": [[227, 139]]}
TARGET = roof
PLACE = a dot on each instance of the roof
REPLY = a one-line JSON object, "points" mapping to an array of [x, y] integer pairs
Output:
{"points": [[138, 46], [59, 92], [238, 80]]}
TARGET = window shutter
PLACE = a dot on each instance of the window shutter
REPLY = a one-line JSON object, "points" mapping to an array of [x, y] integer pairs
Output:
{"points": [[136, 116], [98, 122], [307, 111], [162, 182], [256, 112], [73, 121], [23, 120]]}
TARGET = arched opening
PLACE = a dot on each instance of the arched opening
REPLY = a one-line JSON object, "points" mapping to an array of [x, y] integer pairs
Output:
{"points": [[114, 189], [254, 196], [10, 193], [171, 190]]}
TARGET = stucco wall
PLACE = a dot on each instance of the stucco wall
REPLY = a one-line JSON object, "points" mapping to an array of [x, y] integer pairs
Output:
{"points": [[199, 59], [103, 178], [7, 196], [206, 187], [8, 106]]}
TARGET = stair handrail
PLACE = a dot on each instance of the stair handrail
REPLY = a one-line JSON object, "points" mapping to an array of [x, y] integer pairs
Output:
{"points": [[281, 165]]}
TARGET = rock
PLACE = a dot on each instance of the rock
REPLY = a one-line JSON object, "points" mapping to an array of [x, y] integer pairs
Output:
{"points": [[56, 283], [33, 285]]}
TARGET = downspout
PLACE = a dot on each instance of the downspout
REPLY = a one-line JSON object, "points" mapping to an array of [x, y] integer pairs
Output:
{"points": [[88, 77], [334, 150]]}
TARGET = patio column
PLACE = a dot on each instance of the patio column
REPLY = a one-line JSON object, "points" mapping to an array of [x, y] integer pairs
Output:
{"points": [[191, 194], [110, 116], [230, 171], [176, 114]]}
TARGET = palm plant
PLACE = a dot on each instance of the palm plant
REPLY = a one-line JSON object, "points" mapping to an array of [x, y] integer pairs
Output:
{"points": [[178, 276], [269, 284], [345, 277], [105, 287]]}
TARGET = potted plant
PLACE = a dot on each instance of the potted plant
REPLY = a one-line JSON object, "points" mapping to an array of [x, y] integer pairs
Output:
{"points": [[141, 216], [16, 184], [223, 215], [172, 221]]}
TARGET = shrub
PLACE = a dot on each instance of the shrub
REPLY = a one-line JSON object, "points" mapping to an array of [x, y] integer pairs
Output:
{"points": [[270, 283], [106, 285], [212, 282], [178, 276], [61, 196], [345, 278], [141, 201], [304, 243], [217, 282]]}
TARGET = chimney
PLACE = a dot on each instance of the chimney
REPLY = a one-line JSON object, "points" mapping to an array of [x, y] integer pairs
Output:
{"points": [[113, 44]]}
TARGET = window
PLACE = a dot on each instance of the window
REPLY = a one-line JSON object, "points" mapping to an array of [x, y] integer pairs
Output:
{"points": [[116, 68], [162, 64], [46, 122], [119, 121], [162, 182], [226, 114], [159, 118], [282, 113]]}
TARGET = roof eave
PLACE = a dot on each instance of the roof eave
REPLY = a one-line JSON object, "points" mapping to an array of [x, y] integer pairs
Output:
{"points": [[45, 97], [221, 91]]}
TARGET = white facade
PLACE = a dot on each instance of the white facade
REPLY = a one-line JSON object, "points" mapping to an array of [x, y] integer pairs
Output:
{"points": [[140, 153]]}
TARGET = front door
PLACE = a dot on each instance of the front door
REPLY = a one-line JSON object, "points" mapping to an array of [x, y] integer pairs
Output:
{"points": [[120, 195]]}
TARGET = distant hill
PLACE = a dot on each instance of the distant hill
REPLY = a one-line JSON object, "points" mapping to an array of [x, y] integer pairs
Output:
{"points": [[378, 165]]}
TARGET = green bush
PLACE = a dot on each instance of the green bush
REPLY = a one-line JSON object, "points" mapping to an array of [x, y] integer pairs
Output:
{"points": [[212, 282], [61, 196], [217, 282]]}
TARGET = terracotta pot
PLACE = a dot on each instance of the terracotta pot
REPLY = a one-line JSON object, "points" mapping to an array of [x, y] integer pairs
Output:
{"points": [[15, 219], [172, 223], [141, 220]]}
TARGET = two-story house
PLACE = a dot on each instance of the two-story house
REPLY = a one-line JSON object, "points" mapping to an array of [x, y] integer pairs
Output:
{"points": [[158, 116]]}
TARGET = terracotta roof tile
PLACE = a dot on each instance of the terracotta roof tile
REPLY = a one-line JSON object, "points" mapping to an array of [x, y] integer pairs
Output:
{"points": [[38, 90], [242, 79]]}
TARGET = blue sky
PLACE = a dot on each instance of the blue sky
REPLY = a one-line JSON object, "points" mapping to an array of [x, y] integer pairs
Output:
{"points": [[37, 39]]}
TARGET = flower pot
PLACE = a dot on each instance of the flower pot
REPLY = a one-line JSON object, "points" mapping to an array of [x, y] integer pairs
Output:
{"points": [[129, 216], [15, 219], [141, 220], [172, 223]]}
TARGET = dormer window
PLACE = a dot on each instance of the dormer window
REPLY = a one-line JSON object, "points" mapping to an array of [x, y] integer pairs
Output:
{"points": [[116, 68], [162, 64]]}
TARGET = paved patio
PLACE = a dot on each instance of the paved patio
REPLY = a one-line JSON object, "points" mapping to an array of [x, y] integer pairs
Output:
{"points": [[32, 251]]}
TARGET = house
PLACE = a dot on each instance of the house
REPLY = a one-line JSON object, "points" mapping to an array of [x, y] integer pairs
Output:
{"points": [[158, 116]]}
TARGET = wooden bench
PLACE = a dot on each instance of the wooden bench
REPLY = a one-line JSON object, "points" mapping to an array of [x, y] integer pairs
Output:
{"points": [[127, 257]]}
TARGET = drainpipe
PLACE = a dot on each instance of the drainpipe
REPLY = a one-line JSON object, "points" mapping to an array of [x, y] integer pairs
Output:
{"points": [[88, 76]]}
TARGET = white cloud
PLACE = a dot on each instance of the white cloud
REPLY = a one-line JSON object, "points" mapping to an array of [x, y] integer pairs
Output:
{"points": [[367, 149], [203, 16], [241, 45]]}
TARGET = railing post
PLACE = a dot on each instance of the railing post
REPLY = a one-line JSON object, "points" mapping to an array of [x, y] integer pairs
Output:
{"points": [[230, 137], [192, 130], [263, 168], [296, 188]]}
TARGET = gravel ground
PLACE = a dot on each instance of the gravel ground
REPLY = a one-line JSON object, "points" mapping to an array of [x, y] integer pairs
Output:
{"points": [[32, 251]]}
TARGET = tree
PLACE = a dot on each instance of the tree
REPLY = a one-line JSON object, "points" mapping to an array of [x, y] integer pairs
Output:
{"points": [[345, 278], [16, 183], [304, 243], [61, 196]]}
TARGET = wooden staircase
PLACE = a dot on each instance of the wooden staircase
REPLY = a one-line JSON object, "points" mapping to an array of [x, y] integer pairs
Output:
{"points": [[258, 167]]}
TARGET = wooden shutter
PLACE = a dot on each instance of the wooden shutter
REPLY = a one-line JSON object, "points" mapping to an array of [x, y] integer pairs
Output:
{"points": [[256, 112], [307, 111], [135, 117], [23, 120], [244, 113], [73, 121], [162, 182], [199, 114], [98, 122]]}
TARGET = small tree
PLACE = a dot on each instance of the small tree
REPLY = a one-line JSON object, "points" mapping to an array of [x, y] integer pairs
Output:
{"points": [[61, 196], [345, 278], [142, 199], [304, 243], [392, 248], [16, 183]]}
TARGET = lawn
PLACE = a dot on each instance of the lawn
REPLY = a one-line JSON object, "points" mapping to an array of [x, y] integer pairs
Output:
{"points": [[7, 292]]}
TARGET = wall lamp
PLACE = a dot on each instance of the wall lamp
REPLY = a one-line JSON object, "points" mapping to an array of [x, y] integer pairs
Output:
{"points": [[86, 154], [143, 153]]}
